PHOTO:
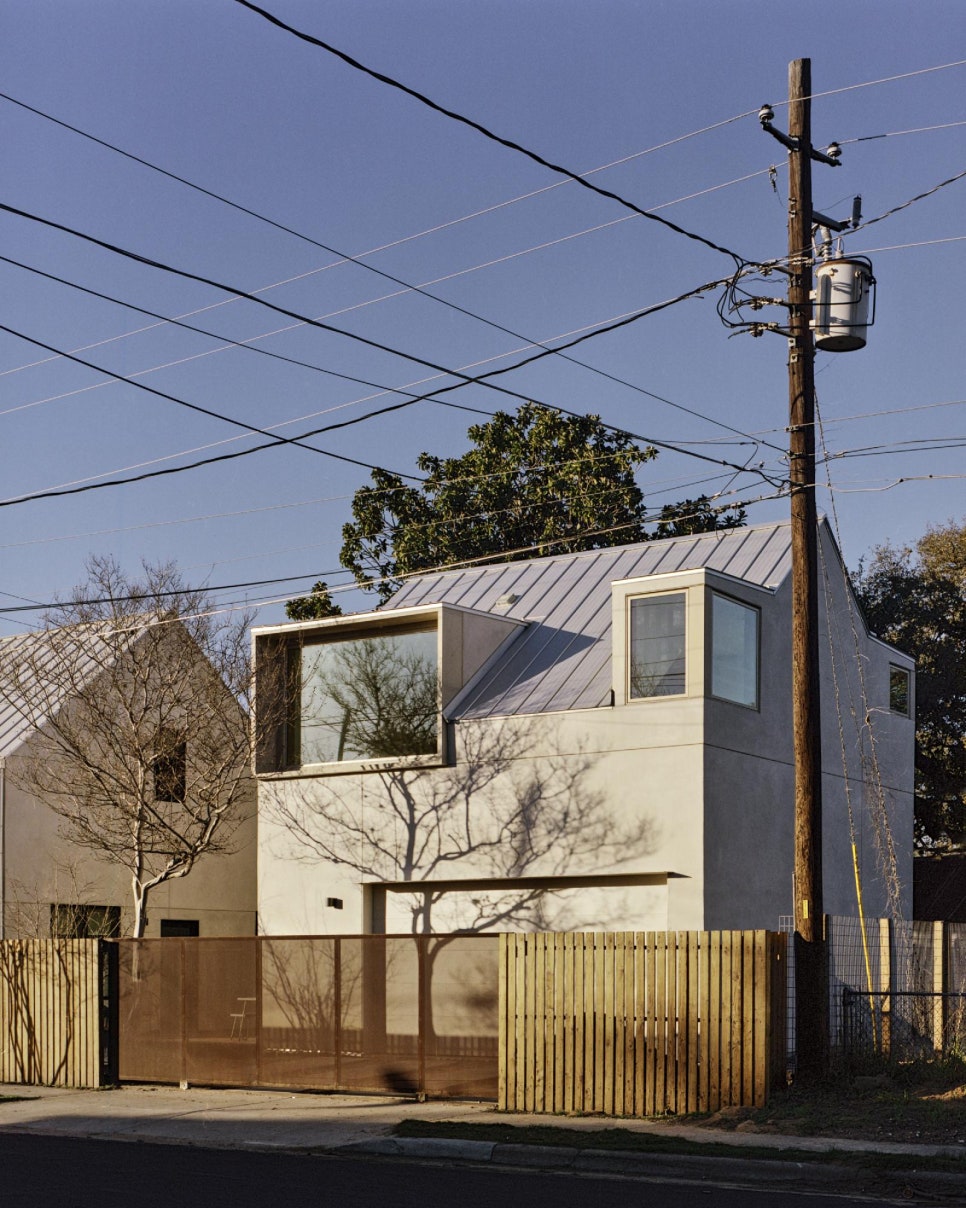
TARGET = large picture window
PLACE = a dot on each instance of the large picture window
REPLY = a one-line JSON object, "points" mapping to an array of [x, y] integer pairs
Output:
{"points": [[734, 651], [370, 697], [657, 646]]}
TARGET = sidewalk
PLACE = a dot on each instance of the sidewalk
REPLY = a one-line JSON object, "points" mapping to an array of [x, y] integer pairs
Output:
{"points": [[258, 1119]]}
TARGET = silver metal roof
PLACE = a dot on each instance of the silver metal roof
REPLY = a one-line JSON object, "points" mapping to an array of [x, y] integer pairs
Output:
{"points": [[31, 674], [562, 658]]}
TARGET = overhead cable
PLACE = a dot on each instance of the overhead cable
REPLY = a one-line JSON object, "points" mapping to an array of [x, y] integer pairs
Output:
{"points": [[597, 329], [481, 129], [498, 556], [228, 419], [912, 200], [345, 257]]}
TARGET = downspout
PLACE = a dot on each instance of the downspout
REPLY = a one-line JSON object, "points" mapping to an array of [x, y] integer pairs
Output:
{"points": [[3, 847]]}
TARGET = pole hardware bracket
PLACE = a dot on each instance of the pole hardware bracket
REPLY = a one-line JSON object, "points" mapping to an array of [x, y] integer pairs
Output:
{"points": [[832, 157]]}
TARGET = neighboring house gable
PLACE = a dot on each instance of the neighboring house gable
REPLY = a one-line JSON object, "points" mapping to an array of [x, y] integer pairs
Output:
{"points": [[50, 884], [620, 756]]}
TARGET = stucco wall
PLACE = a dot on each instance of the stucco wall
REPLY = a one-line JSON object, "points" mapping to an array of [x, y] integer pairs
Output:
{"points": [[867, 761], [43, 868], [624, 786]]}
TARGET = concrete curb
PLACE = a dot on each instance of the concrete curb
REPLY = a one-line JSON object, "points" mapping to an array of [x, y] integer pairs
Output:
{"points": [[775, 1174]]}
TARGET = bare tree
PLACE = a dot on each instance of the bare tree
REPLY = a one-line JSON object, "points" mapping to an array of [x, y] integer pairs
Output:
{"points": [[136, 697]]}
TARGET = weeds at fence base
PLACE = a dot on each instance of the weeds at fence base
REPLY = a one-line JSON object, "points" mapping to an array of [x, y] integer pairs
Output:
{"points": [[919, 1102]]}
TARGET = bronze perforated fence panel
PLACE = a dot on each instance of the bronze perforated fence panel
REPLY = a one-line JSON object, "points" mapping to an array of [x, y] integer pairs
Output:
{"points": [[404, 1014]]}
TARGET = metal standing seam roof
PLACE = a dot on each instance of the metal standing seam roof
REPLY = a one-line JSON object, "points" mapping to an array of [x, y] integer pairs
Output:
{"points": [[561, 659], [36, 655]]}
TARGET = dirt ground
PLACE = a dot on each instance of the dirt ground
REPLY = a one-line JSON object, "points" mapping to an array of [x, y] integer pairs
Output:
{"points": [[924, 1103]]}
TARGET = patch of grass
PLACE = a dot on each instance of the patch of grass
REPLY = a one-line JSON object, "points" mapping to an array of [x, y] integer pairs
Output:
{"points": [[918, 1102]]}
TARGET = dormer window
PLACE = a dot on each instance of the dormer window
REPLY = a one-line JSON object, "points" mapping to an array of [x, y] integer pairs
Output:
{"points": [[657, 663]]}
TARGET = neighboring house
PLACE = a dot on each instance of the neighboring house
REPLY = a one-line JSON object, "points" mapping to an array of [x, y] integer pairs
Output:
{"points": [[182, 746], [595, 741]]}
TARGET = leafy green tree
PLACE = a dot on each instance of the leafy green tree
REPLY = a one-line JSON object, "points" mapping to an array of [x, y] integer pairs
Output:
{"points": [[916, 599], [314, 607], [535, 482], [699, 515]]}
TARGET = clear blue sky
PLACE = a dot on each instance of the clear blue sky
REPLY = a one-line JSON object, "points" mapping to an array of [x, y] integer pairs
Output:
{"points": [[211, 92]]}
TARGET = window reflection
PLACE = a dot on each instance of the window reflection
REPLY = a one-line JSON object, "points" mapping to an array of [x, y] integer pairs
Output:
{"points": [[657, 663], [734, 651], [373, 697]]}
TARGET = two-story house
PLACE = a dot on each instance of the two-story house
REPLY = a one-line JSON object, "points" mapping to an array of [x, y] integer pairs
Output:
{"points": [[595, 741]]}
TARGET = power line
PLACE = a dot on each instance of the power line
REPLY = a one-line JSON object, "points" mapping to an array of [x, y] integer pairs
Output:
{"points": [[347, 258], [481, 129], [545, 350], [70, 489], [686, 484], [249, 428], [133, 528], [905, 75], [464, 378], [897, 482], [240, 293], [869, 138], [899, 247], [343, 257], [499, 556], [912, 200]]}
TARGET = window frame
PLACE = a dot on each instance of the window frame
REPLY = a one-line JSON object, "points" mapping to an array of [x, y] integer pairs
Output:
{"points": [[293, 763], [179, 928], [629, 601], [713, 593]]}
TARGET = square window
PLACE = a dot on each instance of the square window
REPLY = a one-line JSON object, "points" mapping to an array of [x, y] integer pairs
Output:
{"points": [[899, 690], [369, 697], [657, 646], [734, 651]]}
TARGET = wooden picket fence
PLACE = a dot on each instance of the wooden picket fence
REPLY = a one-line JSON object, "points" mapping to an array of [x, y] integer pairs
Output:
{"points": [[641, 1023], [52, 1013]]}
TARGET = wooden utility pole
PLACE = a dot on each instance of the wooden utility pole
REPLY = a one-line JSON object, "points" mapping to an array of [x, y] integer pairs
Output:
{"points": [[810, 972]]}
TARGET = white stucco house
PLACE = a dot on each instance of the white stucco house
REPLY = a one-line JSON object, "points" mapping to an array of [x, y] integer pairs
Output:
{"points": [[601, 740], [129, 732]]}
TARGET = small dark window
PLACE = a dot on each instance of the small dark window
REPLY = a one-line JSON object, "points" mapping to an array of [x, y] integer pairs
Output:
{"points": [[80, 922], [169, 768], [899, 690], [334, 903], [179, 928]]}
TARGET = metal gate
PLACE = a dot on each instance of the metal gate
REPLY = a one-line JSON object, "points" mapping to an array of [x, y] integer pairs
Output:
{"points": [[400, 1014]]}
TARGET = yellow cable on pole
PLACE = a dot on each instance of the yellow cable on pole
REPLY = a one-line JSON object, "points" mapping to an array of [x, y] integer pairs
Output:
{"points": [[865, 938]]}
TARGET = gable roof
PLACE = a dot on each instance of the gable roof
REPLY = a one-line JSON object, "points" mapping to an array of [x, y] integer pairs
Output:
{"points": [[561, 659], [28, 661]]}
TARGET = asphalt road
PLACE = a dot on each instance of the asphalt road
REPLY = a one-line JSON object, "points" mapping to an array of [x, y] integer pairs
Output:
{"points": [[76, 1173]]}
